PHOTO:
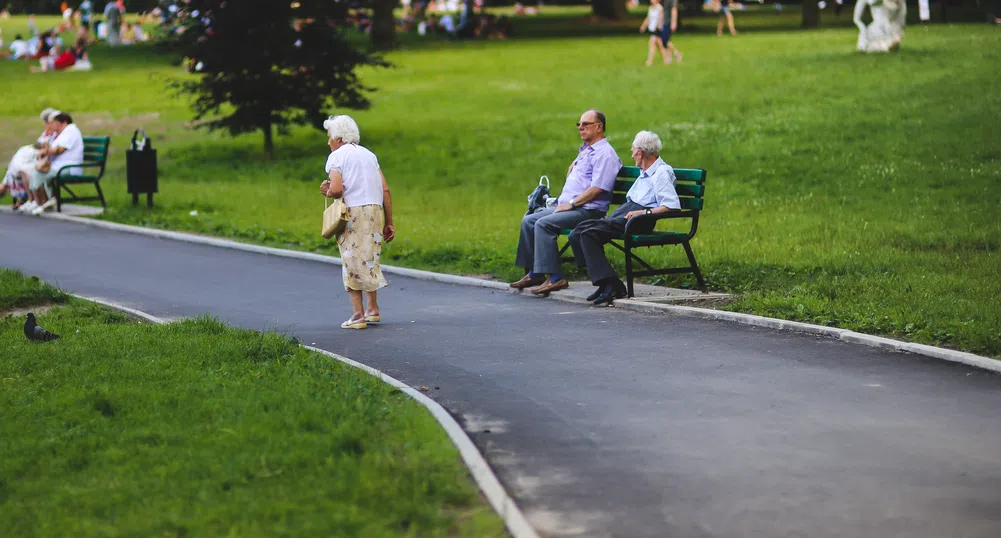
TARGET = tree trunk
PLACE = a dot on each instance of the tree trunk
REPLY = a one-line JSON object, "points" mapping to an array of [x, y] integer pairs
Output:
{"points": [[383, 24], [811, 14], [269, 142], [609, 9]]}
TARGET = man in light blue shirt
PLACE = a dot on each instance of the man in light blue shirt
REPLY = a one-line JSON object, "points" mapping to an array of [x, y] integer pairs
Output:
{"points": [[652, 193], [586, 195]]}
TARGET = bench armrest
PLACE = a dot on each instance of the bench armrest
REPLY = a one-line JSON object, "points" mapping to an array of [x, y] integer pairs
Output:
{"points": [[675, 214], [59, 173]]}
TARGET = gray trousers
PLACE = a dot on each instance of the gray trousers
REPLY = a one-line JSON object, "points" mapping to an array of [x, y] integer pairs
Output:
{"points": [[537, 247], [589, 238]]}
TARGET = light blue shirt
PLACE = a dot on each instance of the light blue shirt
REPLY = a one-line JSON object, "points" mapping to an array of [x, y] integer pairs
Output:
{"points": [[595, 166], [655, 187]]}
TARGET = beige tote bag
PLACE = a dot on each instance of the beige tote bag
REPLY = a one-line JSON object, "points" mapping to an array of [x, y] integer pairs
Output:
{"points": [[335, 217]]}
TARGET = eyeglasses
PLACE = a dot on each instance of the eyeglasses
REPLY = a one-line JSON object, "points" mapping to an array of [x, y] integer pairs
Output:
{"points": [[585, 123]]}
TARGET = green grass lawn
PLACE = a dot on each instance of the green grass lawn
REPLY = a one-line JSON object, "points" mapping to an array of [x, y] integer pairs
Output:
{"points": [[847, 190], [123, 428]]}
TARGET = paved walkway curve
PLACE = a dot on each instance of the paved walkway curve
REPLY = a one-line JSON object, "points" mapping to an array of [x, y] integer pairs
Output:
{"points": [[602, 422]]}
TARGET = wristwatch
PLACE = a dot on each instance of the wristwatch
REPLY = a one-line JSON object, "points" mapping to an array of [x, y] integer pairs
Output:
{"points": [[649, 211], [573, 203]]}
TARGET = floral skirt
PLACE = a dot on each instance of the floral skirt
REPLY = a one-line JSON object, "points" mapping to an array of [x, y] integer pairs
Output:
{"points": [[361, 247]]}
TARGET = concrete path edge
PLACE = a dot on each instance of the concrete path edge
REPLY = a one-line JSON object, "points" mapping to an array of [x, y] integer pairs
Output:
{"points": [[484, 476], [963, 357]]}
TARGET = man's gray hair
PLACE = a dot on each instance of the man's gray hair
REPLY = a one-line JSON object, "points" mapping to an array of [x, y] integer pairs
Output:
{"points": [[342, 127], [48, 112], [648, 142]]}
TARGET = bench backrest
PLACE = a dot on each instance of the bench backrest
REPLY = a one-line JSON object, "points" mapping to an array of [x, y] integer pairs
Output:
{"points": [[690, 185], [95, 149]]}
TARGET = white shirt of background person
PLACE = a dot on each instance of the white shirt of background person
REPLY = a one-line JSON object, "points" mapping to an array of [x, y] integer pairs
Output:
{"points": [[18, 49], [653, 15], [72, 139], [359, 170], [448, 23]]}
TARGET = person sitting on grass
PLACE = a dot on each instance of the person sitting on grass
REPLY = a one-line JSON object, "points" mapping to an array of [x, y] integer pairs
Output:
{"points": [[128, 34], [652, 193], [65, 150], [56, 57], [586, 195], [18, 48]]}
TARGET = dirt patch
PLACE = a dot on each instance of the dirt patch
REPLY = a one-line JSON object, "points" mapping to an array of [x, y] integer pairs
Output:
{"points": [[105, 124], [18, 312]]}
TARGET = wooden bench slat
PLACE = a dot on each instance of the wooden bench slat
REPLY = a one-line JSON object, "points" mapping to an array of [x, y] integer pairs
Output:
{"points": [[689, 189], [691, 203]]}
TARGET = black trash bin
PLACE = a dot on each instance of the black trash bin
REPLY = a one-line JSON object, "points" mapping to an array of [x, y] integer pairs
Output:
{"points": [[140, 168]]}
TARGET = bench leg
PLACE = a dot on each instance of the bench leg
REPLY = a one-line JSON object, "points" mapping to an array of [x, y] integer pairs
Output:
{"points": [[695, 266], [629, 273], [59, 197], [100, 194], [566, 246]]}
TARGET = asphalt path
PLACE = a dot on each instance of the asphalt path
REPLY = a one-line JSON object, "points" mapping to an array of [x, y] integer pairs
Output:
{"points": [[603, 422]]}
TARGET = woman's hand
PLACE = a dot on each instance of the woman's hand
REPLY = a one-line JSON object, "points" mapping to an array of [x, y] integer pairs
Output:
{"points": [[324, 186], [389, 232]]}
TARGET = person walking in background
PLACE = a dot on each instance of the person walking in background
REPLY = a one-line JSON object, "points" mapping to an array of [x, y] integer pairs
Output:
{"points": [[86, 10], [354, 174], [586, 195], [723, 8], [652, 26], [652, 193], [670, 26], [113, 20]]}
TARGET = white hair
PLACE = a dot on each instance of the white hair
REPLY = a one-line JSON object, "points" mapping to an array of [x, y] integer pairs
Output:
{"points": [[48, 112], [342, 127], [648, 142]]}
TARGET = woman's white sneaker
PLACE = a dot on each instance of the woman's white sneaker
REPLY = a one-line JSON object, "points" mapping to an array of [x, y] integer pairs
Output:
{"points": [[44, 207]]}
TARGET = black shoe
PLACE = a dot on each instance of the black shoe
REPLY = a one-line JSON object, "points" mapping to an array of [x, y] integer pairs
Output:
{"points": [[615, 291], [597, 293]]}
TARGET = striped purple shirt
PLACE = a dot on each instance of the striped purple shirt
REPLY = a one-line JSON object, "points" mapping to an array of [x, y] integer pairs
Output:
{"points": [[596, 166]]}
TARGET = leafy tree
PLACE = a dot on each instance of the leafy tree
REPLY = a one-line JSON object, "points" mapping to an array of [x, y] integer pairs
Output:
{"points": [[609, 9], [267, 64], [383, 24], [811, 14]]}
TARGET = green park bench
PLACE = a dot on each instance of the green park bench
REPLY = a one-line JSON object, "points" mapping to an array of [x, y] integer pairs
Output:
{"points": [[95, 156], [691, 188]]}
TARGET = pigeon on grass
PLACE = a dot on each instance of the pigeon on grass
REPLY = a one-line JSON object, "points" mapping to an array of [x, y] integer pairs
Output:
{"points": [[34, 332]]}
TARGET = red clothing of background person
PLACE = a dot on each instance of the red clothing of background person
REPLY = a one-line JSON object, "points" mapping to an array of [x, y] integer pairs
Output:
{"points": [[66, 59]]}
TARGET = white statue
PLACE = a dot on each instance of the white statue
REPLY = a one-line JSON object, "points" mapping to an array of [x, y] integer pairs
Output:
{"points": [[887, 27]]}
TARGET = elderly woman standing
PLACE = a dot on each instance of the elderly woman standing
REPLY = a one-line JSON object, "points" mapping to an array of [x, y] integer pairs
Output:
{"points": [[355, 176]]}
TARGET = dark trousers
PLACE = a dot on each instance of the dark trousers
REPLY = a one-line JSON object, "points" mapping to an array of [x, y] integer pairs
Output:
{"points": [[589, 238], [537, 248]]}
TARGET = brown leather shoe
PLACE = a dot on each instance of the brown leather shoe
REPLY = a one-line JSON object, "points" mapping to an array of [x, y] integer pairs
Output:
{"points": [[527, 282], [548, 286]]}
